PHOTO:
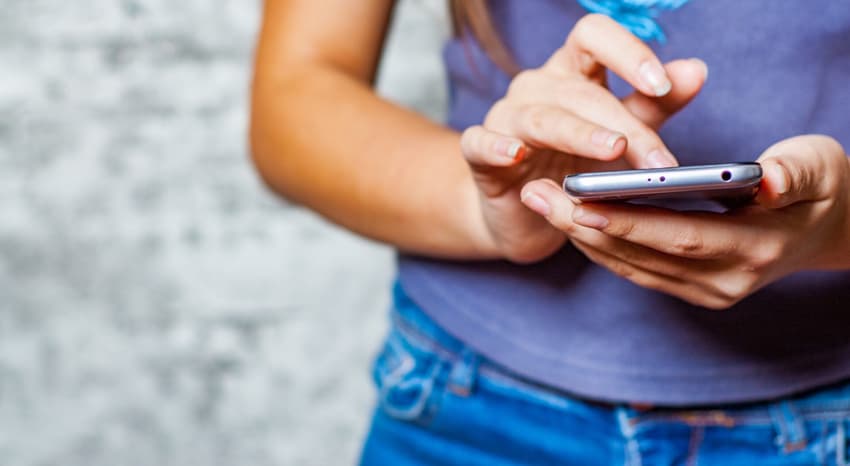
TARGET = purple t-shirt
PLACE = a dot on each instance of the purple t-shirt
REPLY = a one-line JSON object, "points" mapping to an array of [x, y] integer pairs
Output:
{"points": [[777, 69]]}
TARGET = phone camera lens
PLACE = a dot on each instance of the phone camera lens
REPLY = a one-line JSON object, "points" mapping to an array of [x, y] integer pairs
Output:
{"points": [[726, 175], [662, 179]]}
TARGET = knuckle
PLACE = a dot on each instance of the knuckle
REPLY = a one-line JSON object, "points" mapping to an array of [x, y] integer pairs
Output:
{"points": [[733, 288], [624, 229], [498, 111], [534, 118], [587, 24], [715, 304], [765, 254], [568, 228], [521, 82], [648, 281], [624, 270], [687, 242]]}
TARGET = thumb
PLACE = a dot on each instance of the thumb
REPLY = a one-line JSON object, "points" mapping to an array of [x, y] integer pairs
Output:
{"points": [[798, 170], [687, 76]]}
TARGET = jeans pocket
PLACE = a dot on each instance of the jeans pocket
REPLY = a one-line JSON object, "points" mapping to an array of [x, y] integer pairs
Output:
{"points": [[407, 379]]}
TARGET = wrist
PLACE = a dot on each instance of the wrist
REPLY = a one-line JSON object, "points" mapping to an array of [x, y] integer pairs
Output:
{"points": [[479, 236]]}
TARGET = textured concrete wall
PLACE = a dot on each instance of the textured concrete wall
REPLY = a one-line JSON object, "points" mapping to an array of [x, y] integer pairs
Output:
{"points": [[157, 306]]}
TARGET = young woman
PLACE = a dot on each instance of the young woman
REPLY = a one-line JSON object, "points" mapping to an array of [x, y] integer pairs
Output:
{"points": [[530, 330]]}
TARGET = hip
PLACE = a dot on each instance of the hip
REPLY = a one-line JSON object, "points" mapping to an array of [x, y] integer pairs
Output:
{"points": [[441, 402]]}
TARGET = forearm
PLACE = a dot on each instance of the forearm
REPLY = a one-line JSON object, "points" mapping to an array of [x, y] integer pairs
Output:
{"points": [[324, 139]]}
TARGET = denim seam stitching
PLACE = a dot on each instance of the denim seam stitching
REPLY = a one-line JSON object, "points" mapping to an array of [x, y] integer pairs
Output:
{"points": [[740, 419], [423, 341], [697, 434], [493, 374]]}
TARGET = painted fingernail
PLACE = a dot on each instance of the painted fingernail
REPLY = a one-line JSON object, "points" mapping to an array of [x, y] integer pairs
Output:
{"points": [[509, 148], [655, 77], [589, 219], [536, 203], [704, 67], [603, 137], [659, 159]]}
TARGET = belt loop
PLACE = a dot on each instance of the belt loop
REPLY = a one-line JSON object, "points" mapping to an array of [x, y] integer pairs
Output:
{"points": [[463, 374], [789, 424], [628, 429]]}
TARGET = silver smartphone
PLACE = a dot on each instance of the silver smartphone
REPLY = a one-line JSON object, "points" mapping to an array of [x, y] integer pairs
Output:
{"points": [[730, 183]]}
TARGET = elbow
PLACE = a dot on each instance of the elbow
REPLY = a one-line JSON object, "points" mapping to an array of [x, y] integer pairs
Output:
{"points": [[255, 151], [263, 156]]}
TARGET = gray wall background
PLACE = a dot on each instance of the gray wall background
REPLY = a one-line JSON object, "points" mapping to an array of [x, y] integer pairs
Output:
{"points": [[157, 306]]}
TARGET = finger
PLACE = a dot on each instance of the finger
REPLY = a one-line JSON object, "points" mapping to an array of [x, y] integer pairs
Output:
{"points": [[598, 41], [482, 147], [553, 127], [712, 276], [632, 243], [687, 291], [645, 148], [694, 235], [645, 266], [546, 197], [805, 168], [647, 258], [687, 76]]}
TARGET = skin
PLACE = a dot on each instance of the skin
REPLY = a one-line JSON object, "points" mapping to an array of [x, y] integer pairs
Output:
{"points": [[799, 222], [392, 175]]}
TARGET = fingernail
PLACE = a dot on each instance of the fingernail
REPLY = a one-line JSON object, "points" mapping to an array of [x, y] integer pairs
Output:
{"points": [[536, 203], [589, 219], [603, 137], [780, 178], [704, 67], [509, 148], [658, 159], [655, 77]]}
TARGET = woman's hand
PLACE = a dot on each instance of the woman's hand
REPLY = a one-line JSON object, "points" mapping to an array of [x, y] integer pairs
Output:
{"points": [[801, 221], [561, 118]]}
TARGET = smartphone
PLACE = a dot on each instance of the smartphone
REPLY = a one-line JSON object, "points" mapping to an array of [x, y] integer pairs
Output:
{"points": [[729, 183]]}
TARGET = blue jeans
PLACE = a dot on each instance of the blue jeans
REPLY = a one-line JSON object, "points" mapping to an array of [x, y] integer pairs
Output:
{"points": [[440, 403]]}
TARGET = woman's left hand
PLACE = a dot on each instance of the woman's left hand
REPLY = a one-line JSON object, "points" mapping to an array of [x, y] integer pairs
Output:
{"points": [[800, 221]]}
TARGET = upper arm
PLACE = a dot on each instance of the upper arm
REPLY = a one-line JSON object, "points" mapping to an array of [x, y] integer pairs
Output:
{"points": [[344, 34]]}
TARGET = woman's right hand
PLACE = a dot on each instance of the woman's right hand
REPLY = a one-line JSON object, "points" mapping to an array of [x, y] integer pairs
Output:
{"points": [[561, 118]]}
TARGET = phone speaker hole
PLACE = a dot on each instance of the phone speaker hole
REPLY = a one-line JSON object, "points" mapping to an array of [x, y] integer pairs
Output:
{"points": [[726, 175]]}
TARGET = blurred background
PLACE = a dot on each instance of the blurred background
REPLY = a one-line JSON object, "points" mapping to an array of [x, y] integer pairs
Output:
{"points": [[157, 305]]}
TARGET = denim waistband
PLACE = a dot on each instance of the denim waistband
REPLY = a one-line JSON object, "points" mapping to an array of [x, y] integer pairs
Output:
{"points": [[408, 316], [468, 366], [411, 319]]}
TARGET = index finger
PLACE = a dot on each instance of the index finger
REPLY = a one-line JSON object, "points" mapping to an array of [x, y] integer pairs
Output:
{"points": [[695, 235], [597, 40]]}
